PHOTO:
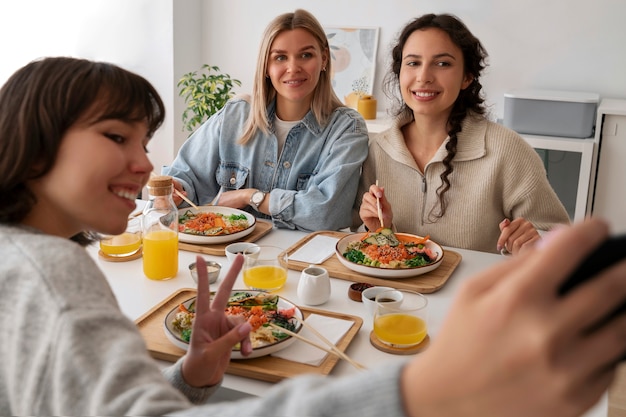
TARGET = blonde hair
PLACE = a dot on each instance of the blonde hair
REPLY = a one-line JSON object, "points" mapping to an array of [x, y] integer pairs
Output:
{"points": [[324, 100]]}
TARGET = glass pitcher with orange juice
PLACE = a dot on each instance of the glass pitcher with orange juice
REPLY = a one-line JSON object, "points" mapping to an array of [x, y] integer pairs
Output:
{"points": [[160, 230]]}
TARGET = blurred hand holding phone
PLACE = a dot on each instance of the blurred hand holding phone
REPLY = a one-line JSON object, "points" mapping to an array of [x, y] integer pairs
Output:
{"points": [[607, 254]]}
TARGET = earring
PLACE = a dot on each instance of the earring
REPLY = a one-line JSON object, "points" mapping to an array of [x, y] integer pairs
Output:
{"points": [[324, 69]]}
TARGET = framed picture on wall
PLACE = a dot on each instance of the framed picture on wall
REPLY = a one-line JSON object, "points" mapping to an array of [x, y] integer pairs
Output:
{"points": [[353, 54]]}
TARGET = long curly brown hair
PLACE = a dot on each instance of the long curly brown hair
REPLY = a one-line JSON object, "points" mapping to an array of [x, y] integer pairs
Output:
{"points": [[469, 99]]}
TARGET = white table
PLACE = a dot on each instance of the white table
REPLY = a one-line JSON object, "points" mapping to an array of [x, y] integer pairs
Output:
{"points": [[137, 294]]}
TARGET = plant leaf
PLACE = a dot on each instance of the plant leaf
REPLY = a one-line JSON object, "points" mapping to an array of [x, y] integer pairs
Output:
{"points": [[205, 93]]}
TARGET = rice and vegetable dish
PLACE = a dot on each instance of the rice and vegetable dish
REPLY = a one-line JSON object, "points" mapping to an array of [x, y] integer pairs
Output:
{"points": [[258, 309], [382, 249], [211, 224]]}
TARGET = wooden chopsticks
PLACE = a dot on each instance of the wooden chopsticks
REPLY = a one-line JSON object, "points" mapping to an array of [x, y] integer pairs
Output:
{"points": [[380, 210], [332, 349], [181, 195], [332, 346]]}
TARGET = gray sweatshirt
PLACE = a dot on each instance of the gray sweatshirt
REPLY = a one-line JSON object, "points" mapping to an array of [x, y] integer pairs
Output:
{"points": [[67, 349]]}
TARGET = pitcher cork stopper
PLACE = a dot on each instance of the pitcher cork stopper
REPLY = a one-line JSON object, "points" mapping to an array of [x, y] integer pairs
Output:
{"points": [[160, 185]]}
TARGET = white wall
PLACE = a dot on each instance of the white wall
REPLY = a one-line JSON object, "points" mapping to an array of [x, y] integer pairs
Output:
{"points": [[188, 43], [532, 43], [556, 44], [135, 34]]}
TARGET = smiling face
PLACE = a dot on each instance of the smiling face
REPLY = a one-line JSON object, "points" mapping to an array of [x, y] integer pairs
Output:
{"points": [[99, 170], [294, 65], [432, 73]]}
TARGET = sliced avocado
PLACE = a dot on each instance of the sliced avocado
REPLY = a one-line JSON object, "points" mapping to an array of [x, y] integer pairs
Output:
{"points": [[392, 240], [384, 237], [381, 239], [371, 239], [386, 231]]}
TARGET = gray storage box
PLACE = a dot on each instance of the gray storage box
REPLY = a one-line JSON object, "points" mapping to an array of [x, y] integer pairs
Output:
{"points": [[551, 113]]}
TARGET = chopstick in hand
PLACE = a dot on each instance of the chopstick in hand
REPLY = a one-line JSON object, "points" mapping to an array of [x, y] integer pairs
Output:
{"points": [[332, 350], [380, 210], [184, 197]]}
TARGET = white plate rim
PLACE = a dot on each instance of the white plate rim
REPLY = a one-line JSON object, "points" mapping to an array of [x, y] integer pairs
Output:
{"points": [[209, 240], [387, 272], [235, 354]]}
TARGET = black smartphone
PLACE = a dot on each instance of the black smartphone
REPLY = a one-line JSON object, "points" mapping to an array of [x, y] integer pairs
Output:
{"points": [[608, 253]]}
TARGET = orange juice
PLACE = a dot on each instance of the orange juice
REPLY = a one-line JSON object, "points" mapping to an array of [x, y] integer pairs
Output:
{"points": [[160, 254], [265, 277], [400, 329], [122, 245]]}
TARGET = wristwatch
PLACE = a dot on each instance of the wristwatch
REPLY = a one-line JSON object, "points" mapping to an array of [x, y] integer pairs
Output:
{"points": [[256, 199]]}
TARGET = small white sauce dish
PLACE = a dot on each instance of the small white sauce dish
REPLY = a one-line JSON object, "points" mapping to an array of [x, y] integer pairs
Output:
{"points": [[238, 247], [368, 296]]}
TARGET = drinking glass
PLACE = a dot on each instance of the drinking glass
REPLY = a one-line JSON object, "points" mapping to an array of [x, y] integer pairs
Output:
{"points": [[126, 244], [265, 268], [403, 324]]}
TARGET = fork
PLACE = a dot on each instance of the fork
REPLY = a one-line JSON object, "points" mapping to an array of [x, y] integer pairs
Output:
{"points": [[216, 199]]}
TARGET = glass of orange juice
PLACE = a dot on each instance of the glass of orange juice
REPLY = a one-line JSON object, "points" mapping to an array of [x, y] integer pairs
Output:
{"points": [[265, 268], [126, 244], [400, 318]]}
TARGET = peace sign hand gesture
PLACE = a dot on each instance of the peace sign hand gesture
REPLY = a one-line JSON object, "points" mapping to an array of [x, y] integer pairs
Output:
{"points": [[214, 334]]}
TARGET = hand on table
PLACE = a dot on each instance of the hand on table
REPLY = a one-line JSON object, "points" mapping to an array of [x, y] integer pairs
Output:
{"points": [[512, 346], [517, 235], [214, 334], [369, 209]]}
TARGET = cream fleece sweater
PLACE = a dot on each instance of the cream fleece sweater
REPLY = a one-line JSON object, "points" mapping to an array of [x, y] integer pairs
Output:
{"points": [[496, 175]]}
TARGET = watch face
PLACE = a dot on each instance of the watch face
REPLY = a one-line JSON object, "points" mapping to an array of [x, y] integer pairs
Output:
{"points": [[257, 197]]}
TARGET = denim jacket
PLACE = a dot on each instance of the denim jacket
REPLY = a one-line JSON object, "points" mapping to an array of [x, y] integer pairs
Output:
{"points": [[312, 184]]}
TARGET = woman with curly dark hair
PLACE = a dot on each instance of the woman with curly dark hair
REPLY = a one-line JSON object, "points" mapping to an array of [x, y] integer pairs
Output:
{"points": [[447, 171]]}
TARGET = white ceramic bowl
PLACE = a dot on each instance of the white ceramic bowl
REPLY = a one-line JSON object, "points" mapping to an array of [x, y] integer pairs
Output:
{"points": [[212, 240], [374, 271], [238, 247], [174, 336], [368, 296]]}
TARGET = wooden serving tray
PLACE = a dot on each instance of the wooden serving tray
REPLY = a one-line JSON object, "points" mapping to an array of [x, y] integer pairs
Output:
{"points": [[261, 229], [426, 283], [266, 368]]}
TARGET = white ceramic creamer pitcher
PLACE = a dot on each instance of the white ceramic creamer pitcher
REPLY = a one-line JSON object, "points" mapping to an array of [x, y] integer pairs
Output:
{"points": [[314, 285]]}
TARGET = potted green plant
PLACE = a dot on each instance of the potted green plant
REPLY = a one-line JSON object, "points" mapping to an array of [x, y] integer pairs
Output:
{"points": [[205, 92]]}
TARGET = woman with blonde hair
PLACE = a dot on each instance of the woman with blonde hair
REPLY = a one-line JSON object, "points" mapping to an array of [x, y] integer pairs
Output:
{"points": [[292, 152]]}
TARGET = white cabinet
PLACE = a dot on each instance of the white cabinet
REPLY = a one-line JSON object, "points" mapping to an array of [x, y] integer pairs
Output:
{"points": [[609, 193], [568, 163]]}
